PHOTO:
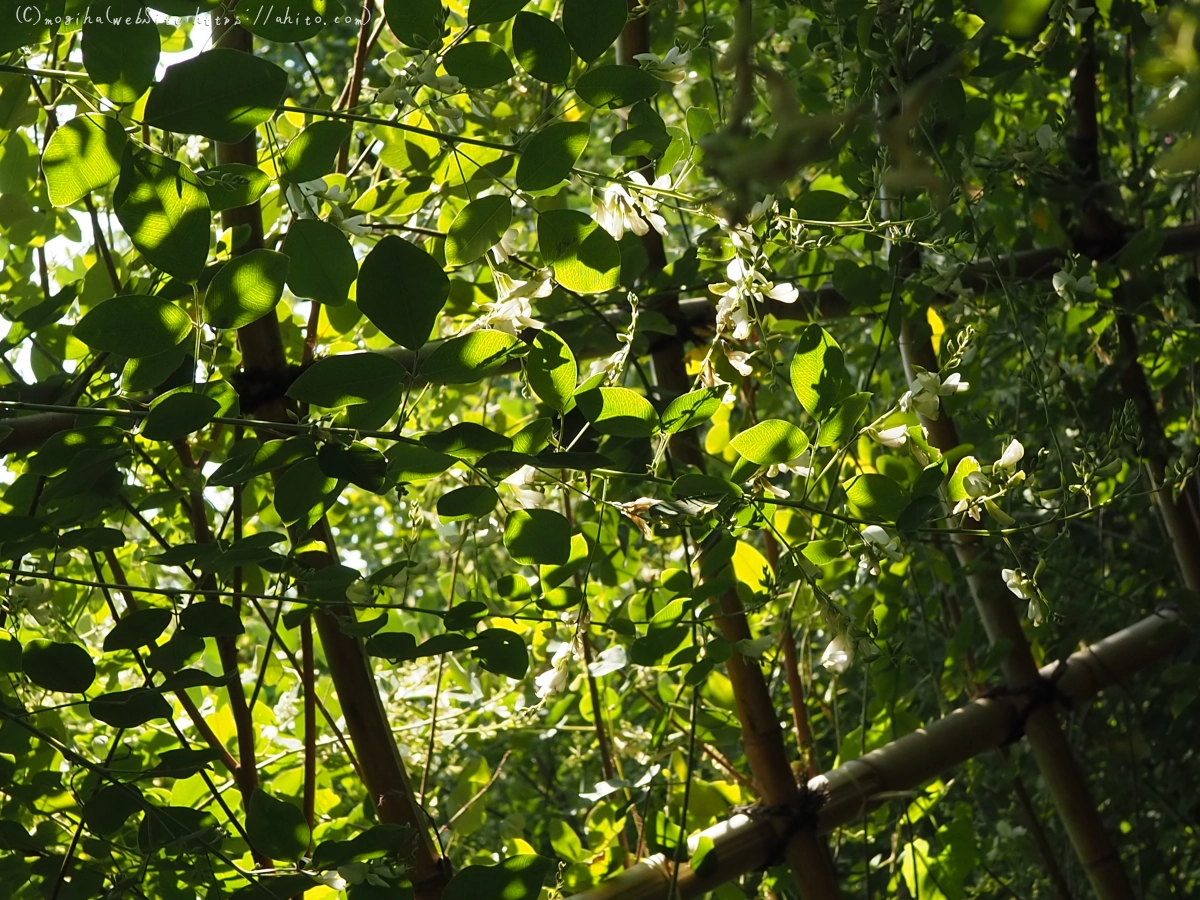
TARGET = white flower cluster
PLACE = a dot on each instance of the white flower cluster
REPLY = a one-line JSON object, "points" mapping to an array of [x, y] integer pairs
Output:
{"points": [[1066, 284], [877, 542], [554, 680], [512, 310], [305, 198], [745, 282], [1026, 588], [839, 654], [412, 76], [618, 211], [982, 491], [926, 390]]}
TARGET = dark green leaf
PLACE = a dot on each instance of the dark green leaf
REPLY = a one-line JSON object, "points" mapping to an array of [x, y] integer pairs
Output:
{"points": [[417, 23], [358, 464], [303, 493], [58, 667], [541, 48], [232, 185], [466, 440], [468, 502], [876, 496], [614, 87], [222, 94], [538, 537], [503, 652], [402, 289], [479, 225], [121, 57], [178, 414], [321, 263], [313, 152], [275, 827], [289, 21], [129, 709], [819, 206], [411, 463], [176, 829], [260, 460], [618, 411], [551, 154], [133, 325], [478, 64], [111, 807], [843, 420], [182, 763], [592, 26], [137, 629], [489, 12], [211, 618], [818, 372], [347, 379]]}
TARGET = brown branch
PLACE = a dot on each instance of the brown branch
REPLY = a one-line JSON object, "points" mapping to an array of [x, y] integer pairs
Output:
{"points": [[349, 96], [308, 681]]}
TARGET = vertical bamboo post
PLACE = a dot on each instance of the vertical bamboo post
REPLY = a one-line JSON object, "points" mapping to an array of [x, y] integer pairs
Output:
{"points": [[1068, 788], [385, 777]]}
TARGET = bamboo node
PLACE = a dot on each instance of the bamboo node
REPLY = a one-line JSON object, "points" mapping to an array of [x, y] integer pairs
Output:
{"points": [[790, 818], [1041, 692]]}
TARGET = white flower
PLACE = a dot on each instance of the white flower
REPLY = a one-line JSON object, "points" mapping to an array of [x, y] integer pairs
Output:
{"points": [[672, 67], [336, 194], [839, 654], [926, 389], [305, 198], [783, 292], [976, 484], [881, 541], [890, 437], [739, 359], [647, 204], [506, 246], [1019, 583], [354, 873], [923, 402], [616, 213], [1012, 455], [351, 225], [610, 660], [801, 465], [333, 880], [428, 77], [512, 310]]}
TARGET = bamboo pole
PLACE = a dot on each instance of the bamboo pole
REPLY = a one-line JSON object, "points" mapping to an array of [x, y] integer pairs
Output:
{"points": [[1067, 786], [741, 842], [386, 779]]}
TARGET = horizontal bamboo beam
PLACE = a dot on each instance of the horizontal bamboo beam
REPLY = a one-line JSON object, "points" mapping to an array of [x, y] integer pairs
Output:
{"points": [[740, 844]]}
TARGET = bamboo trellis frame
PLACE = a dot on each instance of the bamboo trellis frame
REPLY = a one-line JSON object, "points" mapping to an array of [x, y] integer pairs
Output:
{"points": [[741, 843]]}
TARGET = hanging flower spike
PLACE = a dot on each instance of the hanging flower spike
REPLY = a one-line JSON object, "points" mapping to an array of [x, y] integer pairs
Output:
{"points": [[839, 654], [616, 213], [672, 67], [1025, 588]]}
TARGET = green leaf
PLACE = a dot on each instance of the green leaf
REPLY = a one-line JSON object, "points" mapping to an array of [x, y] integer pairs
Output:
{"points": [[83, 155], [182, 763], [478, 64], [551, 154], [275, 827], [515, 878], [818, 372], [10, 654], [697, 485], [467, 440], [489, 12], [875, 496], [821, 553], [470, 502], [471, 357], [862, 286], [313, 152], [503, 652], [618, 411], [322, 265], [614, 87], [176, 415], [111, 807], [378, 840], [137, 629], [288, 22], [18, 528], [819, 206], [92, 539], [121, 58], [699, 122], [417, 23], [585, 258], [917, 513], [692, 409], [303, 493], [541, 48], [134, 326], [479, 225], [411, 463], [211, 618], [402, 290], [176, 829], [245, 289], [358, 464], [129, 709], [592, 26], [260, 460], [646, 134], [231, 185], [538, 537], [222, 94], [552, 370], [771, 442], [399, 646], [164, 211], [347, 379], [843, 420], [57, 666]]}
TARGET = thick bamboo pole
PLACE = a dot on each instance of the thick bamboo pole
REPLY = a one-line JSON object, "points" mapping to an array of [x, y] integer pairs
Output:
{"points": [[741, 843], [1067, 786], [385, 777]]}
